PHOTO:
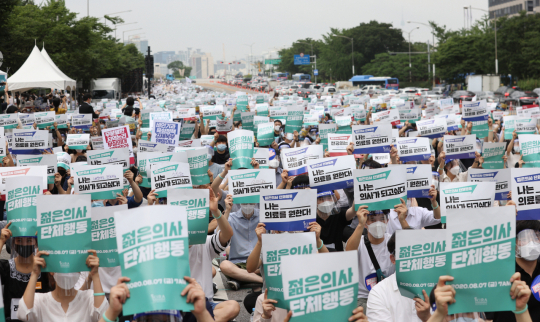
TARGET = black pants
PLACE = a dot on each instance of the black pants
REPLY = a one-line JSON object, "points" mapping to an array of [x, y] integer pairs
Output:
{"points": [[250, 300]]}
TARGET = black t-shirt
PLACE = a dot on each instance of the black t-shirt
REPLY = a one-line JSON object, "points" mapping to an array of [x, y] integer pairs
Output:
{"points": [[15, 282], [534, 304], [221, 158], [332, 229]]}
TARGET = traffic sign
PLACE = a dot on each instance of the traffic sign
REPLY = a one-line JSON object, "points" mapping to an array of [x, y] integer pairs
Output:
{"points": [[301, 59], [272, 61], [316, 72]]}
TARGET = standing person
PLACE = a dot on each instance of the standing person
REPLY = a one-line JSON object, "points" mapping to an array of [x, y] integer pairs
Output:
{"points": [[16, 272], [373, 256], [56, 105], [86, 108], [275, 97]]}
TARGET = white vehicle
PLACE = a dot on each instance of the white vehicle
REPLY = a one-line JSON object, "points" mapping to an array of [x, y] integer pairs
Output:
{"points": [[108, 88], [293, 89], [370, 87], [284, 90], [330, 89]]}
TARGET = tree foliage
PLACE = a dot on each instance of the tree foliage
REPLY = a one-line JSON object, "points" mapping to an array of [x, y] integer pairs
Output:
{"points": [[81, 48]]}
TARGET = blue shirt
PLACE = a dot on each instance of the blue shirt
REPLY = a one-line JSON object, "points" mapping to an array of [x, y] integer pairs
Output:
{"points": [[131, 203], [244, 238]]}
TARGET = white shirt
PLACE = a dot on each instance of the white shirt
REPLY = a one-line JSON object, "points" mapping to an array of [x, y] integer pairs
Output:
{"points": [[385, 303], [417, 218], [367, 273], [200, 262], [46, 308], [107, 275], [461, 177], [512, 160]]}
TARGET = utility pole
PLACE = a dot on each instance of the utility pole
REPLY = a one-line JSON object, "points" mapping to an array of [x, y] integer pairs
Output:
{"points": [[149, 69]]}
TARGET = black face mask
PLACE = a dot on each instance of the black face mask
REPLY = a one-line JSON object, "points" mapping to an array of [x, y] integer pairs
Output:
{"points": [[25, 250], [62, 171]]}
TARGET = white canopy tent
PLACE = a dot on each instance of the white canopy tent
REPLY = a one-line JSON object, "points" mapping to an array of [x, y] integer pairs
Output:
{"points": [[48, 58], [37, 72]]}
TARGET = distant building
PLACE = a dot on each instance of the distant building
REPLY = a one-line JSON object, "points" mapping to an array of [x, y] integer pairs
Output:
{"points": [[160, 68], [501, 8], [142, 45], [163, 57], [202, 64]]}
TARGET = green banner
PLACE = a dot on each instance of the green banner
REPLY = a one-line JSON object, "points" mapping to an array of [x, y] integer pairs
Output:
{"points": [[198, 166], [44, 119], [344, 123], [509, 126], [104, 235], [197, 203], [324, 130], [530, 150], [262, 109], [241, 148], [247, 120], [64, 231], [480, 129], [242, 103], [187, 130], [154, 253], [493, 155], [259, 120], [265, 134], [259, 99], [272, 61], [386, 185], [21, 204], [295, 117]]}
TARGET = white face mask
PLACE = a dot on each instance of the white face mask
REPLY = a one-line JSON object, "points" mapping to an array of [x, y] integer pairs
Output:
{"points": [[529, 252], [276, 128], [273, 163], [66, 281], [326, 207], [290, 136], [377, 229], [247, 209], [240, 127], [78, 150], [455, 170]]}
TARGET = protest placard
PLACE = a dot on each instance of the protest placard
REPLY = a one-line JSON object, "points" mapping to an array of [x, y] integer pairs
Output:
{"points": [[97, 142], [64, 231], [343, 124], [6, 172], [241, 148], [262, 109], [78, 141], [101, 181], [501, 177], [359, 113], [333, 273], [526, 192], [372, 138], [337, 143], [244, 185], [224, 124], [29, 141], [165, 132], [48, 160], [211, 112], [474, 111], [165, 176], [391, 116], [198, 164], [311, 119], [459, 146], [480, 129], [145, 159], [525, 125], [530, 150], [145, 117], [44, 119], [295, 160], [324, 131], [331, 173], [160, 116], [206, 139], [26, 118], [493, 155], [434, 128], [81, 121], [463, 195], [413, 149], [278, 112], [509, 124], [115, 156], [21, 204], [480, 255], [265, 134], [420, 260], [146, 146], [104, 235], [259, 120], [379, 189], [241, 101], [295, 116], [3, 148], [156, 279], [9, 121], [287, 210], [451, 122], [195, 143], [197, 203], [418, 180], [187, 113], [247, 120], [187, 130], [274, 246], [412, 116], [261, 155]]}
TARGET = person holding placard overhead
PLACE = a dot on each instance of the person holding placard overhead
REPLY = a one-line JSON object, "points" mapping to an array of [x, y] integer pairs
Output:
{"points": [[373, 256], [332, 219], [454, 170], [64, 303]]}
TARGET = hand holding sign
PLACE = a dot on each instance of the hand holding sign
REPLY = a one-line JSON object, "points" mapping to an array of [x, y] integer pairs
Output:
{"points": [[432, 194], [444, 295], [5, 234], [92, 262], [362, 214], [401, 210], [422, 307], [39, 263], [519, 291], [194, 294], [213, 202], [260, 230], [268, 306]]}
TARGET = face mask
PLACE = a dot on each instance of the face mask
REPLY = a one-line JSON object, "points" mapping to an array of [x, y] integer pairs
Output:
{"points": [[313, 137], [464, 319], [102, 126], [248, 209], [326, 206], [239, 127], [273, 163], [276, 128], [25, 250], [377, 229], [78, 150], [290, 136], [455, 170], [97, 204], [529, 252], [221, 147], [66, 281]]}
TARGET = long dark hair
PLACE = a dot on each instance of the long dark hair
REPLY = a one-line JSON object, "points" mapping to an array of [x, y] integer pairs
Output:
{"points": [[56, 104]]}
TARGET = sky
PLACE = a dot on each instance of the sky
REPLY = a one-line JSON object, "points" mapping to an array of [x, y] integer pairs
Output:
{"points": [[212, 25]]}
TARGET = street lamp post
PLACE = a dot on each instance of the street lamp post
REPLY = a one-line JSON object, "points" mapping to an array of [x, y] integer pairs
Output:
{"points": [[251, 58], [432, 46], [495, 21], [105, 19], [352, 51], [124, 33], [410, 65], [122, 24]]}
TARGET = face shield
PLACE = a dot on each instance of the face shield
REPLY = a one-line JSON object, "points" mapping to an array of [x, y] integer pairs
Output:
{"points": [[454, 166], [66, 282], [466, 317], [528, 245], [23, 249], [435, 179], [376, 223], [327, 203], [158, 316]]}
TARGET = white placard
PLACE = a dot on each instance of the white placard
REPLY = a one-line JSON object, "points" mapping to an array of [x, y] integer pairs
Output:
{"points": [[526, 192], [413, 149], [170, 175], [372, 138], [331, 173], [295, 160], [461, 195], [459, 146], [337, 144], [29, 141], [500, 176], [244, 185], [287, 210]]}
